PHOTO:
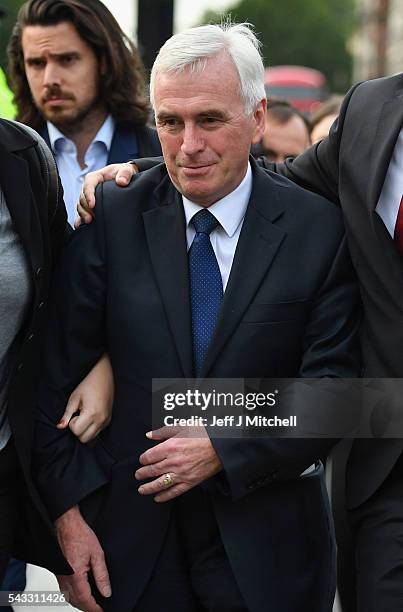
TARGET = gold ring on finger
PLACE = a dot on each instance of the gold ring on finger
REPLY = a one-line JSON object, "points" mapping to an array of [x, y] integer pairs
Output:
{"points": [[167, 481]]}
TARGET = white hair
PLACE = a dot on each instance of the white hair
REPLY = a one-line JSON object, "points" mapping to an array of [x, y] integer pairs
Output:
{"points": [[192, 48]]}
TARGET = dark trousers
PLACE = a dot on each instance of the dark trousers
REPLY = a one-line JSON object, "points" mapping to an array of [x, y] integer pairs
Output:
{"points": [[344, 536], [10, 481], [378, 529], [192, 573]]}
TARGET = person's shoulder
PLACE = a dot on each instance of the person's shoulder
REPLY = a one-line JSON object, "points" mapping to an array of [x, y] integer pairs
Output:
{"points": [[149, 130], [142, 190], [13, 137], [383, 87], [149, 145], [135, 140], [290, 191], [301, 205]]}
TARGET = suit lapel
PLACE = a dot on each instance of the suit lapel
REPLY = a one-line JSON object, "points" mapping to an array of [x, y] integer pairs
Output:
{"points": [[387, 131], [15, 183], [44, 132], [124, 146], [166, 238], [258, 244]]}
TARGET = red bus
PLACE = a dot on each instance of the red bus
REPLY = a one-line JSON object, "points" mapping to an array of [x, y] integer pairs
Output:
{"points": [[303, 87]]}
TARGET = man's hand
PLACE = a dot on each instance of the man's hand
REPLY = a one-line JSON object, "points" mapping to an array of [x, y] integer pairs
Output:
{"points": [[93, 399], [189, 460], [122, 173], [83, 552]]}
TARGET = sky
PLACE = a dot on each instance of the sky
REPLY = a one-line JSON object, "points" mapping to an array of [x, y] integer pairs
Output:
{"points": [[187, 12]]}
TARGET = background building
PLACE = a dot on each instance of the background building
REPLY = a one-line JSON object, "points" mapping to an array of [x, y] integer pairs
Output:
{"points": [[377, 44]]}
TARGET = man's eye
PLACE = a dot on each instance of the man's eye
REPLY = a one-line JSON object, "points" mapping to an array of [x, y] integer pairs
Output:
{"points": [[170, 122], [210, 121], [37, 63], [68, 59]]}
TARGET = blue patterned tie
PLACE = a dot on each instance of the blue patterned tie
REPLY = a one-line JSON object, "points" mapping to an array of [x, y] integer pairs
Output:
{"points": [[206, 290]]}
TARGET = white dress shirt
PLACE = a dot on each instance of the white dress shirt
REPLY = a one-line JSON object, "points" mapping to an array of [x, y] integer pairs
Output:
{"points": [[392, 190], [71, 174], [229, 212]]}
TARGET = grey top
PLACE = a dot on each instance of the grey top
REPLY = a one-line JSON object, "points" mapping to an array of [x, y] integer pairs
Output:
{"points": [[15, 295]]}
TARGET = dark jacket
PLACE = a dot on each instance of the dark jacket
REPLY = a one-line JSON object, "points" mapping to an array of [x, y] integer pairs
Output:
{"points": [[349, 167], [127, 143], [42, 233], [289, 310]]}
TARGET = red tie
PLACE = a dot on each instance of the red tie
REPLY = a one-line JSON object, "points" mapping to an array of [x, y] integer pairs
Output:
{"points": [[398, 235]]}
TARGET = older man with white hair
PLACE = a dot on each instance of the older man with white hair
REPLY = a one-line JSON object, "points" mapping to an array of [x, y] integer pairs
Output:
{"points": [[204, 267]]}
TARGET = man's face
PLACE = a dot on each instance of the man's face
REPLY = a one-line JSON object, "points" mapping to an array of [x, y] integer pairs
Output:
{"points": [[204, 132], [282, 140], [62, 73]]}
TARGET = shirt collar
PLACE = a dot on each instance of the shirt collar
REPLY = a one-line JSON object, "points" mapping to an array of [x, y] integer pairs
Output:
{"points": [[104, 134], [230, 210]]}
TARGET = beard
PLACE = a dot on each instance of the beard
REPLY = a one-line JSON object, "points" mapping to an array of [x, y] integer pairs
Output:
{"points": [[69, 121]]}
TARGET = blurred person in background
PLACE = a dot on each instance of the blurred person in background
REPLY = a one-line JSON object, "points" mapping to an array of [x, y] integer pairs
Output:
{"points": [[286, 132], [323, 118], [79, 81]]}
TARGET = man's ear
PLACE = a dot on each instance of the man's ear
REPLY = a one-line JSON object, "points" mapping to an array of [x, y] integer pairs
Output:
{"points": [[259, 118]]}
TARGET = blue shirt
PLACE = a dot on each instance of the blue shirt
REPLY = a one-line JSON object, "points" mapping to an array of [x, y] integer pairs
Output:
{"points": [[71, 174]]}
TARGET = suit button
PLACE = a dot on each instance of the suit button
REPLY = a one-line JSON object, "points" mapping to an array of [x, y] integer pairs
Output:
{"points": [[19, 367], [30, 337], [38, 271], [40, 305]]}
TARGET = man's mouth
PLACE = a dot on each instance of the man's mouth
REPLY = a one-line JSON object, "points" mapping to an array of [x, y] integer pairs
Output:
{"points": [[55, 99], [55, 96], [195, 169]]}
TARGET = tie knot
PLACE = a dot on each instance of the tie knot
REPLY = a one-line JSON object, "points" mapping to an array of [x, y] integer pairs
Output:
{"points": [[204, 222]]}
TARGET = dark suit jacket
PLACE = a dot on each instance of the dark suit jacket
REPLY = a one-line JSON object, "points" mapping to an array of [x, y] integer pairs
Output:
{"points": [[349, 168], [289, 310], [42, 238], [127, 143]]}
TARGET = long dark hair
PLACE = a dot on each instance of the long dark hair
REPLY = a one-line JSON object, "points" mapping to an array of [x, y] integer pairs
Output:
{"points": [[122, 86]]}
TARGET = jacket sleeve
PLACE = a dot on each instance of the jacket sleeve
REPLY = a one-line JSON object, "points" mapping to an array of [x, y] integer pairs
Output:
{"points": [[146, 163], [330, 350], [59, 229], [317, 169], [66, 470]]}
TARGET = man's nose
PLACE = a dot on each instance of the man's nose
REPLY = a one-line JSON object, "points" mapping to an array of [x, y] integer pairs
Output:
{"points": [[193, 140], [51, 75]]}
